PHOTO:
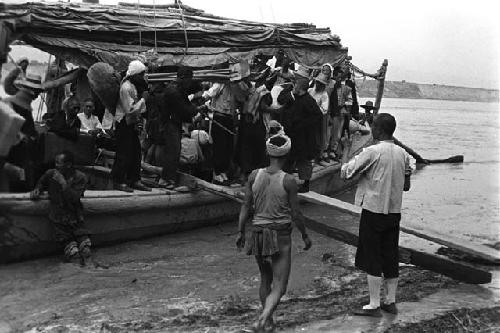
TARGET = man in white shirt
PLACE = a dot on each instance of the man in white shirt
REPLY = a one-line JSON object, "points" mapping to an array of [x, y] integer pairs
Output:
{"points": [[89, 122], [384, 171], [126, 170]]}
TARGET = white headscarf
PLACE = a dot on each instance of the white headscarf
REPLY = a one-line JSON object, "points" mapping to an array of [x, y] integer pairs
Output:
{"points": [[135, 67], [278, 151]]}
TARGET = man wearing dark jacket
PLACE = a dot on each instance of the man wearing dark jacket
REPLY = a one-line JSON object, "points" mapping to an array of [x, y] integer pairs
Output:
{"points": [[176, 109], [303, 117]]}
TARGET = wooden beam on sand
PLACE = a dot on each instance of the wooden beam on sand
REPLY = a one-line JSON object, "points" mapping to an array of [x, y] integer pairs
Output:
{"points": [[478, 250], [413, 248]]}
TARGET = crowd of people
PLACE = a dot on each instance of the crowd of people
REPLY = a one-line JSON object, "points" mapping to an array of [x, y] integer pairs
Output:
{"points": [[221, 127], [230, 121], [257, 130]]}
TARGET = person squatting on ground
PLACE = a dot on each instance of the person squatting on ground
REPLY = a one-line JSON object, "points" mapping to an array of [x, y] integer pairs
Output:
{"points": [[126, 170], [65, 186], [271, 197], [384, 171]]}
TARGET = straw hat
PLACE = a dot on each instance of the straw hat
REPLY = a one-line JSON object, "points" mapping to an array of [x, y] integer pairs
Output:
{"points": [[322, 78], [368, 106], [31, 81]]}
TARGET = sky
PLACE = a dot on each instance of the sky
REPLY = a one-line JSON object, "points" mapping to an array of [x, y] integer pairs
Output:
{"points": [[426, 41]]}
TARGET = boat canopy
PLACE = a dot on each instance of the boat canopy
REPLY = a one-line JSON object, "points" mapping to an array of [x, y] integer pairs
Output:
{"points": [[165, 35]]}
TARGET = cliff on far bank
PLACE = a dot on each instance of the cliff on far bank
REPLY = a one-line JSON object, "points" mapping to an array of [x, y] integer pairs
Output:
{"points": [[401, 89]]}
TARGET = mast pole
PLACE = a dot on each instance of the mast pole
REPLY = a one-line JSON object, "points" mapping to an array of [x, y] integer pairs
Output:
{"points": [[380, 87]]}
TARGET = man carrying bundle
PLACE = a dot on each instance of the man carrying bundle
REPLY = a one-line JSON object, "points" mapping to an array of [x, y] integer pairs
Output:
{"points": [[127, 166], [384, 170], [271, 194]]}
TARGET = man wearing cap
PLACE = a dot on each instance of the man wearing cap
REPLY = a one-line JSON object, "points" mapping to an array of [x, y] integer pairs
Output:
{"points": [[174, 110], [17, 74], [126, 170], [272, 196], [302, 120], [23, 153], [368, 116]]}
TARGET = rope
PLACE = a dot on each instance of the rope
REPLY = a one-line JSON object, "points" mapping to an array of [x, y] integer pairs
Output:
{"points": [[375, 76], [183, 27]]}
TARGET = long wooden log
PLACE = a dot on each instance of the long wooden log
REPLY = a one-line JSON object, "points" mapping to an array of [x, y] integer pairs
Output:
{"points": [[412, 250], [484, 252]]}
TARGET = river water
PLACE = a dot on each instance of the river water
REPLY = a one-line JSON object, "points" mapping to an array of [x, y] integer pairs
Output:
{"points": [[457, 199]]}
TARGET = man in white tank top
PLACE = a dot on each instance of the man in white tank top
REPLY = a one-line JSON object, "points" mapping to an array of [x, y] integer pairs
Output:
{"points": [[271, 202]]}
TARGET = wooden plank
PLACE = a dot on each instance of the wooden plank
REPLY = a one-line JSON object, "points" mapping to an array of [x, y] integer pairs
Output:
{"points": [[413, 250], [481, 251]]}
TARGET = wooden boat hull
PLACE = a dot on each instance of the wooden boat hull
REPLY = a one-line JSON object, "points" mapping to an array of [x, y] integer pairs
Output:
{"points": [[112, 216]]}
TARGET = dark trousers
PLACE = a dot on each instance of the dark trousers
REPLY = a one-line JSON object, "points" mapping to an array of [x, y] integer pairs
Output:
{"points": [[378, 244], [172, 151], [127, 165], [251, 145], [345, 125], [223, 143]]}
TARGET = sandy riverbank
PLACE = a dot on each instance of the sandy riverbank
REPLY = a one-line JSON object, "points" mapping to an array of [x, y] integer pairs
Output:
{"points": [[188, 282]]}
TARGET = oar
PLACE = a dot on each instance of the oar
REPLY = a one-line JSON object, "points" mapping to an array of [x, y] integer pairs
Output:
{"points": [[453, 159], [421, 160]]}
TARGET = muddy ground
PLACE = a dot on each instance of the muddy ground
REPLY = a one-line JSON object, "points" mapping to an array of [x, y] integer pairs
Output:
{"points": [[188, 282]]}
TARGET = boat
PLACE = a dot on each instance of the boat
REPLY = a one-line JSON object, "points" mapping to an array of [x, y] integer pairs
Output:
{"points": [[115, 216], [164, 36]]}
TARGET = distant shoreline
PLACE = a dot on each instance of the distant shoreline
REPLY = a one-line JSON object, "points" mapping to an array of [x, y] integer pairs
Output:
{"points": [[409, 90], [368, 89]]}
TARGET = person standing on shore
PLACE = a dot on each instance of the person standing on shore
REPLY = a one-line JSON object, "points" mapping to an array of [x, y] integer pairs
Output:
{"points": [[271, 194], [384, 170]]}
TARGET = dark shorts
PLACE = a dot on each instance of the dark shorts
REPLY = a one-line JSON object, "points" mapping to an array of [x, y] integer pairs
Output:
{"points": [[378, 244]]}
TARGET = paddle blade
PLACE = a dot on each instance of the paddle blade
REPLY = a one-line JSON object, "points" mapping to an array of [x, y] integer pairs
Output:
{"points": [[453, 159]]}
